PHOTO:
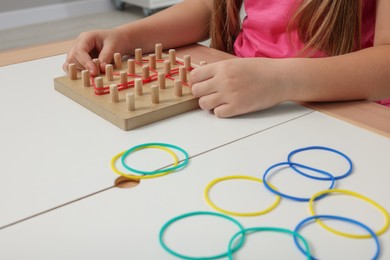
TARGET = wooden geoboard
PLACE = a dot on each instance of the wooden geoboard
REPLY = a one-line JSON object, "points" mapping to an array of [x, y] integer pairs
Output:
{"points": [[145, 111]]}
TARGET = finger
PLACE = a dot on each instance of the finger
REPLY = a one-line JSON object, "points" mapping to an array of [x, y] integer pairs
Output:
{"points": [[81, 59], [68, 60], [211, 101], [203, 89], [106, 56], [224, 110], [201, 73], [65, 67], [84, 61], [206, 87]]}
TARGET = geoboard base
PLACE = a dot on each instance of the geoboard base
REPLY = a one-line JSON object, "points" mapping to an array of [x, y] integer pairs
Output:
{"points": [[146, 112]]}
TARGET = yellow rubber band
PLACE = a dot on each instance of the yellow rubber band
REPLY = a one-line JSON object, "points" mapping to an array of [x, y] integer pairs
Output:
{"points": [[240, 214], [139, 177], [353, 194]]}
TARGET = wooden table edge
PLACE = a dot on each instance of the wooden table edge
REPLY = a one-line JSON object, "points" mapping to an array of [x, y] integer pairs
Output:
{"points": [[35, 52], [365, 114]]}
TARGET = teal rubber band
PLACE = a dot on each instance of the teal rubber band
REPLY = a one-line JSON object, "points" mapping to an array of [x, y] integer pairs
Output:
{"points": [[180, 165], [191, 214], [272, 229]]}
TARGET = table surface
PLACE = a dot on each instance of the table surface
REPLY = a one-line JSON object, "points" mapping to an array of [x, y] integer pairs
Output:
{"points": [[57, 191]]}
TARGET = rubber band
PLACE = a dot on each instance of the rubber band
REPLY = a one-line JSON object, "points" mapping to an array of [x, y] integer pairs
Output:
{"points": [[196, 213], [105, 89], [249, 214], [347, 173], [138, 177], [270, 188], [272, 229], [135, 177], [356, 195], [317, 217], [180, 165]]}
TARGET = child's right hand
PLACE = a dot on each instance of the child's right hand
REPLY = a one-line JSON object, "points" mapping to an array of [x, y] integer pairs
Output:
{"points": [[239, 86], [101, 44]]}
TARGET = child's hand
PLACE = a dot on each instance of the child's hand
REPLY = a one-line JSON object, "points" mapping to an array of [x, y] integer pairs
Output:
{"points": [[100, 44], [237, 86]]}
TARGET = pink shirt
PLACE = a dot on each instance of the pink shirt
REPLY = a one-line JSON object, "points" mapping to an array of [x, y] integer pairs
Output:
{"points": [[264, 30]]}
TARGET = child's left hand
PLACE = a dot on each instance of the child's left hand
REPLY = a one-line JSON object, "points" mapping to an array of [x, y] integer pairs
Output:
{"points": [[237, 86]]}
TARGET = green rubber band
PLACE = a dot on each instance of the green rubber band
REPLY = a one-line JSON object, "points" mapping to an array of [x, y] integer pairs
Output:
{"points": [[180, 165], [273, 229], [191, 214]]}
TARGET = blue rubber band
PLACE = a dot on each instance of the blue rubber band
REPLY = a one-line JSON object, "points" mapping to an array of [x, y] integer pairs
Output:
{"points": [[180, 165], [347, 173], [272, 229], [167, 224], [372, 233], [288, 196]]}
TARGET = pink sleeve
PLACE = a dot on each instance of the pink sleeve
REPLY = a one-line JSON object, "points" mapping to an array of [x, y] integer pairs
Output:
{"points": [[385, 102]]}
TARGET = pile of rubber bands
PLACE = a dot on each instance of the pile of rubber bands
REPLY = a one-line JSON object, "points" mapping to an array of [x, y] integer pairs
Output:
{"points": [[237, 240]]}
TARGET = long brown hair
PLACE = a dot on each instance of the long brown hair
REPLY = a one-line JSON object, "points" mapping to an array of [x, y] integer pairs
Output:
{"points": [[330, 26]]}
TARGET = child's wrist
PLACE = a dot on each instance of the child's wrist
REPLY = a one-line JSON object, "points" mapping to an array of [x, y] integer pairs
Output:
{"points": [[289, 83], [283, 80]]}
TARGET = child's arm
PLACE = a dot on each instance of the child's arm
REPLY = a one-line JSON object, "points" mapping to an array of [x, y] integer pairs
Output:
{"points": [[361, 75], [240, 86], [181, 24]]}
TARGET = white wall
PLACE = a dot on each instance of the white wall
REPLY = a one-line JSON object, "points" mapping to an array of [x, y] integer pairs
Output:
{"points": [[7, 5], [39, 11]]}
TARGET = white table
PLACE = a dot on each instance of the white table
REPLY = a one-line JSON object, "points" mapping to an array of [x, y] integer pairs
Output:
{"points": [[55, 174]]}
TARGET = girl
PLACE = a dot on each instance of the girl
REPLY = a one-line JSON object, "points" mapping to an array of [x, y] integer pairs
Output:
{"points": [[303, 50]]}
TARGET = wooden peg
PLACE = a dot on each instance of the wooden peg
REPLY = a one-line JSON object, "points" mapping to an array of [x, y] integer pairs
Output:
{"points": [[109, 72], [118, 60], [202, 63], [99, 85], [138, 55], [189, 78], [167, 67], [97, 65], [161, 80], [187, 61], [158, 51], [178, 87], [72, 71], [130, 67], [145, 72], [123, 77], [152, 61], [85, 78], [155, 94], [138, 86], [114, 93], [183, 74], [172, 56], [130, 101]]}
